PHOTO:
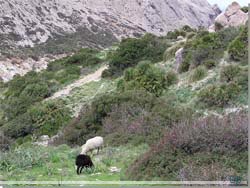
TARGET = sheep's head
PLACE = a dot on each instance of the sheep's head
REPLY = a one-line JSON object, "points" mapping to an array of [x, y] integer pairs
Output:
{"points": [[84, 149]]}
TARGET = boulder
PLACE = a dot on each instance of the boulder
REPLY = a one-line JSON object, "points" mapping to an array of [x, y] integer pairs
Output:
{"points": [[232, 17]]}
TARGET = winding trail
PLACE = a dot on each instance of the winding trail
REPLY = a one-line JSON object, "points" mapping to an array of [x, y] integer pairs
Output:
{"points": [[96, 76]]}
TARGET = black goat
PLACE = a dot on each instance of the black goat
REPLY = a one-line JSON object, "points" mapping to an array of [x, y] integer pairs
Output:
{"points": [[83, 161]]}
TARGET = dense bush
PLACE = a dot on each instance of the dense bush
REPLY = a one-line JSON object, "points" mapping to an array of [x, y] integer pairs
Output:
{"points": [[210, 64], [206, 46], [238, 48], [174, 34], [23, 92], [220, 94], [171, 78], [144, 76], [242, 79], [198, 74], [229, 73], [40, 119], [84, 57], [131, 51], [5, 142], [200, 144], [179, 32], [48, 117], [218, 26]]}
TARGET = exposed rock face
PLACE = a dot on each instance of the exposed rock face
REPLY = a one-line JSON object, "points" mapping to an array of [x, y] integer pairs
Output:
{"points": [[216, 9], [233, 16], [178, 58], [11, 67], [30, 22]]}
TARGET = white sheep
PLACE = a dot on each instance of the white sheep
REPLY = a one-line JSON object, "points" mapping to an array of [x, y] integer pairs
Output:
{"points": [[91, 144]]}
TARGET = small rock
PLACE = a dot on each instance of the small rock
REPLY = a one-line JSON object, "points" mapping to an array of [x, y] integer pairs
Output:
{"points": [[114, 169], [180, 38]]}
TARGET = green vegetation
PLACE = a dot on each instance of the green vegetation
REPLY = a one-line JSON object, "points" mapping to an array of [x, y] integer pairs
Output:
{"points": [[144, 115], [171, 78], [206, 46], [140, 100], [144, 76], [198, 74], [229, 73], [209, 64], [245, 9], [219, 94], [181, 32], [131, 51], [24, 111], [238, 48], [37, 163], [41, 118]]}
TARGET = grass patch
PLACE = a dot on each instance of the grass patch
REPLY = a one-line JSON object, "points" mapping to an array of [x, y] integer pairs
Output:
{"points": [[58, 163]]}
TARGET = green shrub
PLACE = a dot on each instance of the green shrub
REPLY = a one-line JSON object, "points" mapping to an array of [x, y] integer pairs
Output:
{"points": [[198, 74], [170, 52], [206, 46], [131, 51], [238, 48], [40, 119], [171, 78], [219, 95], [174, 34], [144, 76], [218, 26], [242, 79], [209, 64], [229, 73], [184, 31], [191, 35], [46, 118], [21, 158], [245, 9], [23, 92], [84, 57], [5, 142]]}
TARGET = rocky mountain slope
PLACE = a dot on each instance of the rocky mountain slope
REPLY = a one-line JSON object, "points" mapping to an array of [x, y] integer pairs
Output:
{"points": [[31, 22]]}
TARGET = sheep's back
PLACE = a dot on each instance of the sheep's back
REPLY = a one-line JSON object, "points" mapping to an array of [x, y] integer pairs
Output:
{"points": [[94, 142]]}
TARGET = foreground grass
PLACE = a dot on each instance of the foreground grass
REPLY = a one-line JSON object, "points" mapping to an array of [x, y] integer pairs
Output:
{"points": [[37, 163]]}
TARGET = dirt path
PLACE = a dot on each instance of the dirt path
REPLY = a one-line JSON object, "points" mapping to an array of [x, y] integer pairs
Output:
{"points": [[86, 79]]}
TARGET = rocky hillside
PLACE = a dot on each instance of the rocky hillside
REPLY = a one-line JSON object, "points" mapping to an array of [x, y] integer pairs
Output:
{"points": [[26, 22], [162, 117]]}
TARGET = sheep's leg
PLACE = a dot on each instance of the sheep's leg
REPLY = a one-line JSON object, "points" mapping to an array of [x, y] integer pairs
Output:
{"points": [[81, 170], [98, 150], [78, 170]]}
